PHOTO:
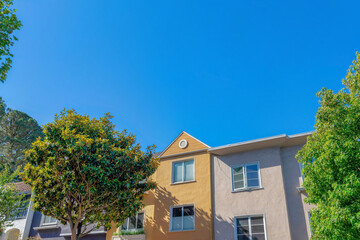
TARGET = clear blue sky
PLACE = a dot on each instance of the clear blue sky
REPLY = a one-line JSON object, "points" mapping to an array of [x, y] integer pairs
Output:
{"points": [[224, 71]]}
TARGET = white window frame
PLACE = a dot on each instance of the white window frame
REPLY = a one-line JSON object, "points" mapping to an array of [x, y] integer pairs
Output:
{"points": [[47, 224], [249, 223], [245, 177], [182, 218], [183, 171], [128, 222]]}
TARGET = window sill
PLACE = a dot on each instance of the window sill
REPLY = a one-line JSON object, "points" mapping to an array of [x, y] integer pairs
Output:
{"points": [[177, 183], [177, 231], [247, 189], [301, 189], [46, 227]]}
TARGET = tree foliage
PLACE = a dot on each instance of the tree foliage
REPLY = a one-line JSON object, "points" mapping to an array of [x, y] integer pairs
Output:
{"points": [[10, 199], [331, 160], [84, 172], [8, 24], [17, 132]]}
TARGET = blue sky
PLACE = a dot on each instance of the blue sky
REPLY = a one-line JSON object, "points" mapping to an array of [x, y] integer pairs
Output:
{"points": [[224, 71]]}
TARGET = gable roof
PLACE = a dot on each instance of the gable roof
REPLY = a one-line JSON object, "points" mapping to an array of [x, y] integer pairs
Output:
{"points": [[22, 187], [182, 133]]}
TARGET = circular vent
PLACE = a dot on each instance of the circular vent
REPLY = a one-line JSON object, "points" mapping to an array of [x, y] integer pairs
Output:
{"points": [[183, 143]]}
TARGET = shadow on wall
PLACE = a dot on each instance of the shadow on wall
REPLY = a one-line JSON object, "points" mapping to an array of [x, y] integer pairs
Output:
{"points": [[160, 224]]}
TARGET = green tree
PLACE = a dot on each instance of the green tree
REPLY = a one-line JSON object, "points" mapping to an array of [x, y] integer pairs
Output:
{"points": [[17, 132], [10, 199], [331, 160], [8, 24], [86, 174]]}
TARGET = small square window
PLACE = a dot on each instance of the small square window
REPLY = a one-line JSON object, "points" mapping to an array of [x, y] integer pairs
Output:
{"points": [[134, 223], [250, 228], [47, 220], [245, 176], [182, 218], [183, 171]]}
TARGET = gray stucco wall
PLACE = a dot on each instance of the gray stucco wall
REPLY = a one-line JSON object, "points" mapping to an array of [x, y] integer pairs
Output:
{"points": [[278, 199], [269, 201], [297, 209], [57, 232]]}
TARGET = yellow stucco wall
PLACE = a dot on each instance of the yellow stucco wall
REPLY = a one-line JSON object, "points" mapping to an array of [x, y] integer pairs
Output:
{"points": [[198, 192]]}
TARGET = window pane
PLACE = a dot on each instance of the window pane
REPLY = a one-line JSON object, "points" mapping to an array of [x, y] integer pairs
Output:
{"points": [[257, 229], [178, 172], [253, 183], [188, 222], [48, 220], [252, 175], [189, 211], [243, 230], [132, 223], [238, 185], [176, 223], [140, 221], [189, 170], [242, 221], [238, 170], [258, 237], [177, 212], [257, 221], [124, 226], [238, 177], [252, 168], [243, 237]]}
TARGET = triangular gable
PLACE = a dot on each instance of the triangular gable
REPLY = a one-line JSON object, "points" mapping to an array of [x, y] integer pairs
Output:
{"points": [[193, 144]]}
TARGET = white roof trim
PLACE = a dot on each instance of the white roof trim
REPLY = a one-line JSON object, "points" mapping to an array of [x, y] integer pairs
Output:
{"points": [[176, 139], [248, 142]]}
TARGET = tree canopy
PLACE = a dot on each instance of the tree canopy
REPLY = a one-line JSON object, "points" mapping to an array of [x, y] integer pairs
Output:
{"points": [[17, 132], [85, 173], [8, 24], [331, 161]]}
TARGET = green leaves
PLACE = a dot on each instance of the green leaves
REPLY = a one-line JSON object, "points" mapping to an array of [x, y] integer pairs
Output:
{"points": [[85, 172], [331, 160], [10, 200], [8, 24]]}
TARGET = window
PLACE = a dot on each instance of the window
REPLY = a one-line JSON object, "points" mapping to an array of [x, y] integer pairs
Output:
{"points": [[134, 223], [250, 228], [182, 218], [245, 176], [21, 212], [183, 171], [302, 175], [47, 220]]}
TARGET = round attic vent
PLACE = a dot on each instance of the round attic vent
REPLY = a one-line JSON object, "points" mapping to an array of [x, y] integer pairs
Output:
{"points": [[183, 143]]}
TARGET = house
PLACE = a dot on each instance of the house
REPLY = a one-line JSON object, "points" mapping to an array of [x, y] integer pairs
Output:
{"points": [[249, 190], [34, 224], [181, 206], [21, 224], [257, 190]]}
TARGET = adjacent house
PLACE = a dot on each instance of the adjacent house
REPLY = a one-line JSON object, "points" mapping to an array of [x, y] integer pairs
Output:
{"points": [[22, 222], [257, 190], [34, 224]]}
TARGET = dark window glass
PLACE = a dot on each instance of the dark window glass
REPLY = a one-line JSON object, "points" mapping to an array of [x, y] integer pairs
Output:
{"points": [[140, 222], [177, 212], [189, 211]]}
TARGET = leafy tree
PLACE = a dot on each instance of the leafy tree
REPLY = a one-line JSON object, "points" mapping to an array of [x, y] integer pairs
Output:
{"points": [[331, 160], [87, 174], [17, 132], [8, 24], [10, 199]]}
